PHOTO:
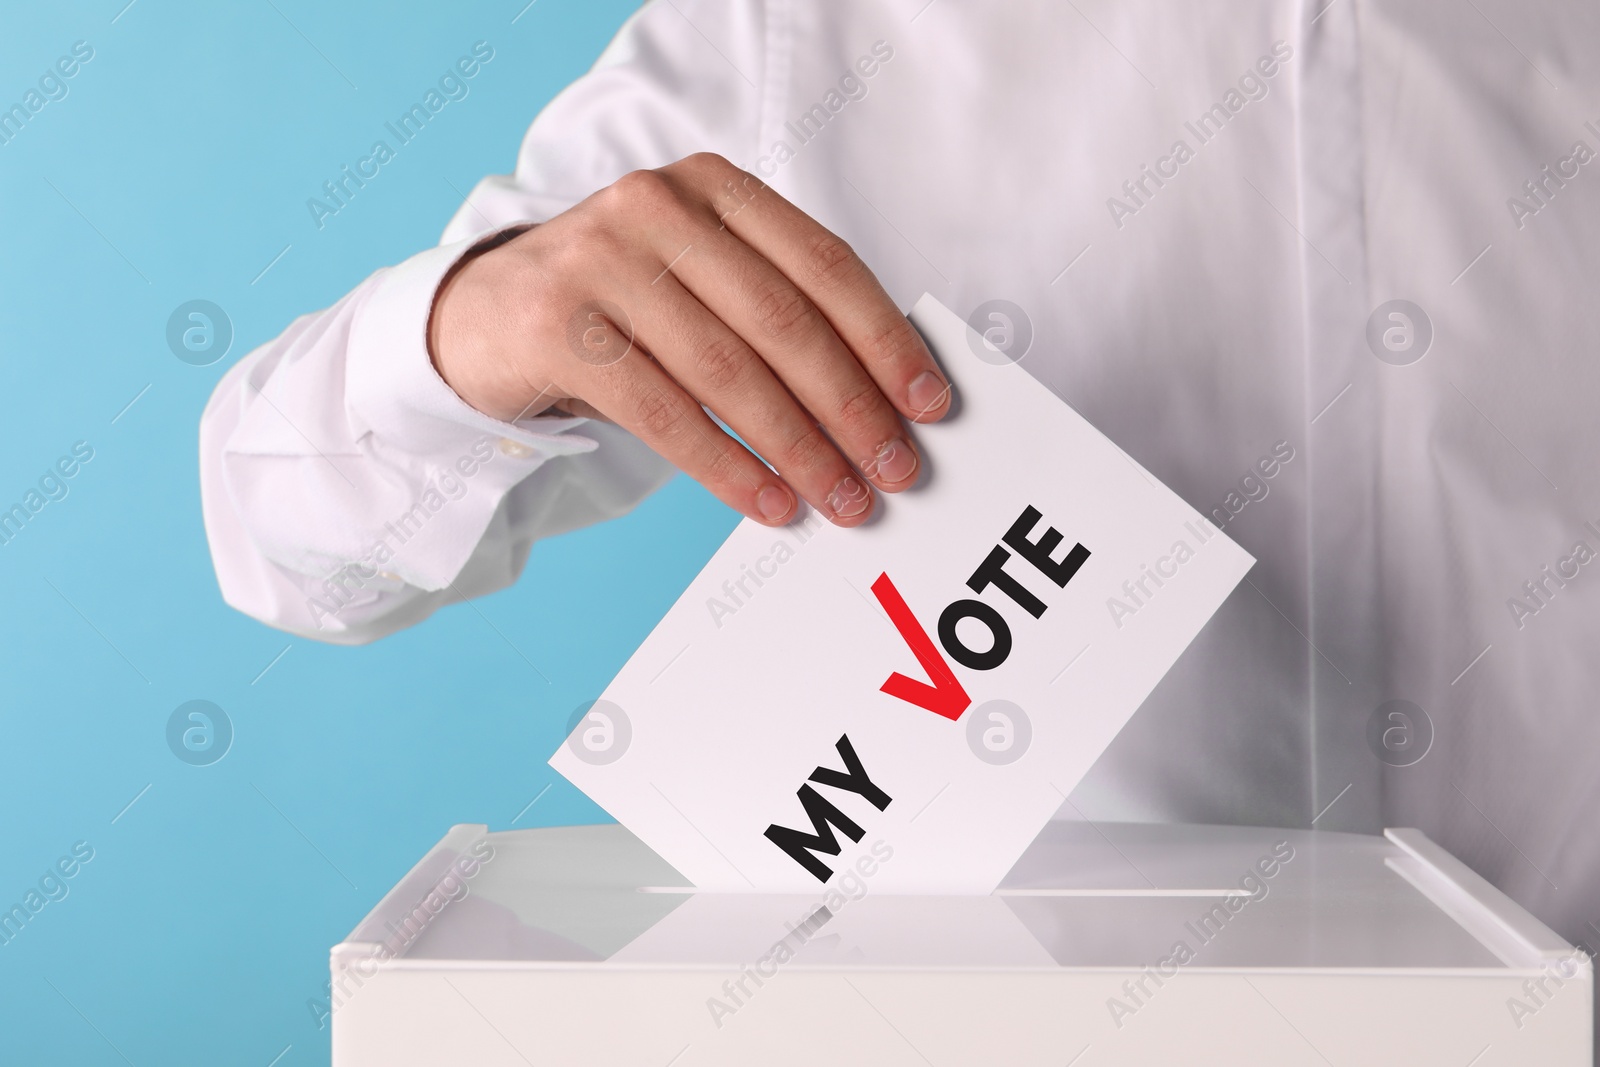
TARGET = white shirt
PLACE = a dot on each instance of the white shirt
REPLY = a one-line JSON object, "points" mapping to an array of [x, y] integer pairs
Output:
{"points": [[1199, 208]]}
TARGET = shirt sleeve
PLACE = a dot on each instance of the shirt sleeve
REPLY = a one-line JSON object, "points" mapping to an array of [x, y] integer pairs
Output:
{"points": [[347, 491]]}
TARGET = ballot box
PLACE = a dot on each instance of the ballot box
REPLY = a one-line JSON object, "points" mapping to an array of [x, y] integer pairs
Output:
{"points": [[1106, 944]]}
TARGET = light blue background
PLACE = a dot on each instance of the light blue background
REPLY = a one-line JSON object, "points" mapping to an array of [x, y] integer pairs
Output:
{"points": [[191, 142]]}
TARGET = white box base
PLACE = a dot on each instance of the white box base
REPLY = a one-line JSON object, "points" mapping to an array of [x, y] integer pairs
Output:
{"points": [[578, 945]]}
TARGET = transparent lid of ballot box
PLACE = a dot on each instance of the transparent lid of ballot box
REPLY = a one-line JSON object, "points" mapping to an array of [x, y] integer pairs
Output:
{"points": [[1083, 895]]}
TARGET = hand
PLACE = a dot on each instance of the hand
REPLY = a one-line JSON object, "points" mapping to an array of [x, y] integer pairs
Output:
{"points": [[693, 285]]}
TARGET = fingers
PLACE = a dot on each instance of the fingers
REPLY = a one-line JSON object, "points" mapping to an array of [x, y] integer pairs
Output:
{"points": [[722, 371], [638, 395], [801, 349], [741, 303], [798, 343], [836, 282]]}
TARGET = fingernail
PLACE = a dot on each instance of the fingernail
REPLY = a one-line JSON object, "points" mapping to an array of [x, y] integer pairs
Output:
{"points": [[894, 462], [773, 503], [926, 393], [848, 499]]}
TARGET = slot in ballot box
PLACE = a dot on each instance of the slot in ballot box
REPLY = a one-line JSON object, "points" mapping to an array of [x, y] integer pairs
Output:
{"points": [[1106, 944]]}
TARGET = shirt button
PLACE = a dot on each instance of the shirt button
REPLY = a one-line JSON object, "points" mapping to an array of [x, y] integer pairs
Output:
{"points": [[514, 449]]}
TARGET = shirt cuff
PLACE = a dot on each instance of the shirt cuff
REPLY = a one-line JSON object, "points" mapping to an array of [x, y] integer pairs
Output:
{"points": [[393, 386], [409, 416]]}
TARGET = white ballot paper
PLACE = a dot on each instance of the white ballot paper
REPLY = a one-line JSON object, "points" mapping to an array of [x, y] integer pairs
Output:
{"points": [[918, 695]]}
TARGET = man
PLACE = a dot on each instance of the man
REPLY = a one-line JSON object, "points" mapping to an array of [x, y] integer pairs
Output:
{"points": [[1321, 267]]}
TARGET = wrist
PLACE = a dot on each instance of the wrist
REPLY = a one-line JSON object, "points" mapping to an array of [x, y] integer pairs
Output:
{"points": [[467, 329]]}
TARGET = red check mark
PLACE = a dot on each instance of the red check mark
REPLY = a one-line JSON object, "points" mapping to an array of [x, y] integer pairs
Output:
{"points": [[945, 696]]}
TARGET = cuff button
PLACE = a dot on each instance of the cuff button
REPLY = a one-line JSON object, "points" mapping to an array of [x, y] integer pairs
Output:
{"points": [[514, 449]]}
